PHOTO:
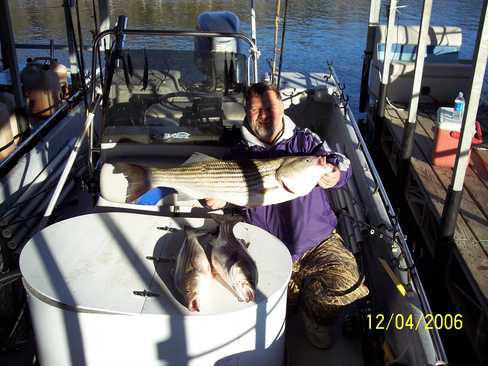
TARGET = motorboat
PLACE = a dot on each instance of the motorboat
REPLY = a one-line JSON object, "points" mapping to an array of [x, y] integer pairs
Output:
{"points": [[98, 272]]}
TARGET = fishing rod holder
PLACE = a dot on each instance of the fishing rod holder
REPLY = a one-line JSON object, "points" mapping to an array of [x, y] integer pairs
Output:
{"points": [[119, 32]]}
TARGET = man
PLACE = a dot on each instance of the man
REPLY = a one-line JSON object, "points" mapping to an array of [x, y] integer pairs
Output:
{"points": [[325, 275]]}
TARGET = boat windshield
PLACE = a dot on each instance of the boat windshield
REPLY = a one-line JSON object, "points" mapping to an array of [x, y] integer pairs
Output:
{"points": [[175, 96]]}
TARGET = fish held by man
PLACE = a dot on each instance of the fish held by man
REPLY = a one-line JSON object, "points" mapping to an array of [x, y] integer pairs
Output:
{"points": [[193, 271], [232, 263], [247, 183]]}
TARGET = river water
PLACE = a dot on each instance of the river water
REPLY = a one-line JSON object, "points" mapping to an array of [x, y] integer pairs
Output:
{"points": [[317, 30]]}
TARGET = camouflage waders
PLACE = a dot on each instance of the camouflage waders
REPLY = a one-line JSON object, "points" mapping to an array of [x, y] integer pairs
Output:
{"points": [[325, 279]]}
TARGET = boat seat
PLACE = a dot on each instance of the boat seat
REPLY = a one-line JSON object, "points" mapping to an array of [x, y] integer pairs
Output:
{"points": [[443, 43], [442, 81], [159, 83], [234, 113], [162, 115], [444, 73]]}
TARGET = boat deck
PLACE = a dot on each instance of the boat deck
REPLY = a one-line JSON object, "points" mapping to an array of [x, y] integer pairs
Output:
{"points": [[425, 196]]}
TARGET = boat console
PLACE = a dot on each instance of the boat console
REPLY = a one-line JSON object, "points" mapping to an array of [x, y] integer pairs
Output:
{"points": [[174, 97]]}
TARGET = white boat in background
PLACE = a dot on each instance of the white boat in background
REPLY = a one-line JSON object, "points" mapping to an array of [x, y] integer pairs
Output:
{"points": [[99, 287]]}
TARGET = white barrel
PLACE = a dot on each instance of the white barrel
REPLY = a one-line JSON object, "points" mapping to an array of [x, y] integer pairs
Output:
{"points": [[81, 274]]}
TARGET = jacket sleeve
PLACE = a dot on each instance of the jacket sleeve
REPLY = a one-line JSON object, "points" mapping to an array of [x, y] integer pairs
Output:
{"points": [[316, 146]]}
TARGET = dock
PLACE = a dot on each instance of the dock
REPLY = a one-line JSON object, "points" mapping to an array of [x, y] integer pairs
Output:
{"points": [[427, 185]]}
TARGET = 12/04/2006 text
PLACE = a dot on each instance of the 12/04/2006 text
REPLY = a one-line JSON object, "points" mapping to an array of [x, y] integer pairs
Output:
{"points": [[427, 321]]}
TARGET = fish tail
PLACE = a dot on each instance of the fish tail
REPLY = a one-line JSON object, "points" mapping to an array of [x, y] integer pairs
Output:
{"points": [[225, 232], [245, 292], [122, 182]]}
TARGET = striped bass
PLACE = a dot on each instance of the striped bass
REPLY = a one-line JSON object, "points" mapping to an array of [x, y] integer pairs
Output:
{"points": [[233, 264], [249, 183], [193, 272]]}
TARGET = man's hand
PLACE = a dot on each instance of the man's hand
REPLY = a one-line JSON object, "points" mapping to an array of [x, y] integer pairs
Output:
{"points": [[329, 180], [214, 203]]}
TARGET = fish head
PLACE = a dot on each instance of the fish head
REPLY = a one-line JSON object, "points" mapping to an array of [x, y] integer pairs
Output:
{"points": [[300, 174], [193, 301], [195, 287], [242, 282]]}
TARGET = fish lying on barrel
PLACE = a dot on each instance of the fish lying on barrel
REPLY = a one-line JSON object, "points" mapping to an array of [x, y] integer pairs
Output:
{"points": [[193, 272], [229, 260], [249, 183], [232, 263]]}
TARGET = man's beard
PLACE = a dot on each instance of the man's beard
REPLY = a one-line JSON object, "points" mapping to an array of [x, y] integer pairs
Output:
{"points": [[264, 131]]}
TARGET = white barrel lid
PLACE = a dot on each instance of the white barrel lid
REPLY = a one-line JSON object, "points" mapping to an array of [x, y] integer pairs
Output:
{"points": [[95, 263]]}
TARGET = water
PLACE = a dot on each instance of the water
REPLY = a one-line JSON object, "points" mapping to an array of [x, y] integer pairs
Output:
{"points": [[317, 30]]}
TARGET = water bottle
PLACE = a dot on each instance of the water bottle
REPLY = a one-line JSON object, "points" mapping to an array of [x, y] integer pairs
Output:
{"points": [[459, 106]]}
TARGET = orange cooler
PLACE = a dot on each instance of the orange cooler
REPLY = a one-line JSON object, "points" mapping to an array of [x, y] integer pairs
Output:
{"points": [[446, 137]]}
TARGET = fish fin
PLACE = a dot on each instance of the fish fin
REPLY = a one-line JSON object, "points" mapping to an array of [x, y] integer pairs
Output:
{"points": [[182, 196], [190, 230], [250, 294], [226, 285], [269, 189], [218, 240], [227, 218], [245, 243], [286, 188], [194, 303], [185, 194], [197, 158]]}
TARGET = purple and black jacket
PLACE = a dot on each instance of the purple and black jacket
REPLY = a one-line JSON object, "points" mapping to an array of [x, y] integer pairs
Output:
{"points": [[306, 221]]}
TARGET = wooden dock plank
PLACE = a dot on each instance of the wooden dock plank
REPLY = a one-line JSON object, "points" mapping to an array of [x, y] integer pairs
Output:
{"points": [[432, 186], [474, 205], [473, 182], [477, 156], [472, 247], [475, 195]]}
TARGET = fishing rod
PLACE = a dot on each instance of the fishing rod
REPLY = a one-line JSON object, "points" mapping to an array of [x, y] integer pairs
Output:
{"points": [[275, 48], [285, 16], [69, 19], [82, 58], [95, 34]]}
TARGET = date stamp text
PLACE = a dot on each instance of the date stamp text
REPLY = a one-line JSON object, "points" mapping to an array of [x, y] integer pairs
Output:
{"points": [[427, 321]]}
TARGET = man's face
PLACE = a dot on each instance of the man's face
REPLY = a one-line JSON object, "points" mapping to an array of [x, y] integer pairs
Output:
{"points": [[265, 116]]}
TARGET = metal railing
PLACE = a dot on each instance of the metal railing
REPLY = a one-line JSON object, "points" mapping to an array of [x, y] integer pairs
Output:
{"points": [[174, 33], [438, 346], [45, 126]]}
